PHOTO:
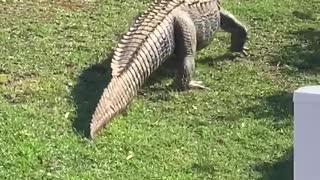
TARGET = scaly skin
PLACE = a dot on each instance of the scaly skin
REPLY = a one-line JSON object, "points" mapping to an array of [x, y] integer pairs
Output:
{"points": [[167, 27]]}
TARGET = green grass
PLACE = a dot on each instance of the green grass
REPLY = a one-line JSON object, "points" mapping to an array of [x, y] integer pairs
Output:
{"points": [[52, 74]]}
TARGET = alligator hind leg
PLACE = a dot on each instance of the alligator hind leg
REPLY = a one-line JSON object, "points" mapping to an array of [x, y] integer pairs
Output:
{"points": [[239, 33], [185, 74], [185, 51]]}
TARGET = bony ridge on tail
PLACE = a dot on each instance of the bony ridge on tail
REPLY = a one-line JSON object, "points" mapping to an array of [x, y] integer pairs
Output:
{"points": [[167, 27]]}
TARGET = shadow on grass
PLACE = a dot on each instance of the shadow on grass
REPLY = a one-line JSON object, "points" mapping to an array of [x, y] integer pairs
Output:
{"points": [[304, 54], [212, 60], [279, 106], [87, 92], [281, 170]]}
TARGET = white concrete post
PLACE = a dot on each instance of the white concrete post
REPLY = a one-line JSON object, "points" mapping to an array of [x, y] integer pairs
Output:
{"points": [[307, 133]]}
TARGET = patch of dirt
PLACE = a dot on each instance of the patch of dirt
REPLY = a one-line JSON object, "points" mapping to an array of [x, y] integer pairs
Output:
{"points": [[18, 79], [70, 5], [42, 10], [19, 87], [28, 11]]}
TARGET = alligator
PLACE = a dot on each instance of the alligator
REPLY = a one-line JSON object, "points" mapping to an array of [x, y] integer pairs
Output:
{"points": [[166, 28]]}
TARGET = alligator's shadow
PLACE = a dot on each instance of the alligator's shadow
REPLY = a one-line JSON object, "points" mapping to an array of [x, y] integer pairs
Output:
{"points": [[86, 94]]}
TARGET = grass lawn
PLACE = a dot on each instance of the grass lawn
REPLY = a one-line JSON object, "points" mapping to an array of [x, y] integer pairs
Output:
{"points": [[52, 72]]}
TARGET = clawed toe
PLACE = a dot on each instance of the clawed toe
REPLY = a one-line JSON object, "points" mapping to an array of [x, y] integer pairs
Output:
{"points": [[197, 85], [241, 54]]}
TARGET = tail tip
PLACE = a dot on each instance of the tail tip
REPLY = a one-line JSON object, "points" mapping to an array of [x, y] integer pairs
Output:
{"points": [[93, 131]]}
